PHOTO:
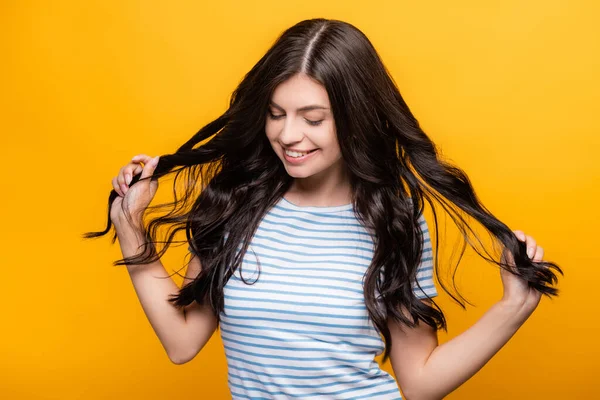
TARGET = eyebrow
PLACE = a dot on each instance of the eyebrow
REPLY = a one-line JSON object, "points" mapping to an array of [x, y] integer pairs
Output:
{"points": [[305, 108]]}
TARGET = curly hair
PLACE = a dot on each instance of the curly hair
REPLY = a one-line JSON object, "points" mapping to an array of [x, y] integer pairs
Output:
{"points": [[233, 177]]}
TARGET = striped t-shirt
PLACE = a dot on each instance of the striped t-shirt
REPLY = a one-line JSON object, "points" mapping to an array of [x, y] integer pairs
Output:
{"points": [[302, 329]]}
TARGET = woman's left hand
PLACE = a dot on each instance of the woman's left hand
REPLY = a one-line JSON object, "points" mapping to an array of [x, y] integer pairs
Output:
{"points": [[516, 290]]}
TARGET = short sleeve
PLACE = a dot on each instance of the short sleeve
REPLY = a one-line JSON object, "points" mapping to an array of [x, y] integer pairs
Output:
{"points": [[425, 268]]}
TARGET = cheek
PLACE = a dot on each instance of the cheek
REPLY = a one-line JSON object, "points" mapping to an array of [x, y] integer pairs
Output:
{"points": [[327, 139], [334, 153]]}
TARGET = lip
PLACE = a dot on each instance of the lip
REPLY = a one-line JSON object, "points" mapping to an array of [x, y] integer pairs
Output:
{"points": [[298, 160], [299, 151]]}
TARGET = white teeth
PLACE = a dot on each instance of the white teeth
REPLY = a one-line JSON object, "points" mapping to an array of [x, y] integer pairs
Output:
{"points": [[295, 154]]}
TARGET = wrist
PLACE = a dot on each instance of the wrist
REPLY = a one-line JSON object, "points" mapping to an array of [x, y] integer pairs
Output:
{"points": [[125, 225], [512, 301], [515, 307], [129, 233]]}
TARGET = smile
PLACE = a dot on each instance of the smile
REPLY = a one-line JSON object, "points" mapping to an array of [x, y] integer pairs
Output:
{"points": [[294, 157], [292, 153]]}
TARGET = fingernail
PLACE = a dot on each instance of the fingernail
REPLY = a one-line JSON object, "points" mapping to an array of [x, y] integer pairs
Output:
{"points": [[530, 252], [128, 178], [155, 160], [123, 188]]}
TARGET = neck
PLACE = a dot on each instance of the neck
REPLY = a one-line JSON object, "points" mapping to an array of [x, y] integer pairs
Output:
{"points": [[327, 189]]}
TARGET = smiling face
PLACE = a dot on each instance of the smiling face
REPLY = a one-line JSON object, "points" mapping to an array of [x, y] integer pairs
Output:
{"points": [[301, 128]]}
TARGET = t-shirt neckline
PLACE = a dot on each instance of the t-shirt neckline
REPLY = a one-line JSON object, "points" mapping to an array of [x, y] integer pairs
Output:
{"points": [[321, 209]]}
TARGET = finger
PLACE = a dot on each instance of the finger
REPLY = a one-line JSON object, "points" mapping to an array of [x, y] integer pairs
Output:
{"points": [[531, 246], [520, 235], [141, 158], [131, 170], [121, 181], [116, 186], [126, 173], [120, 177], [149, 167], [539, 254]]}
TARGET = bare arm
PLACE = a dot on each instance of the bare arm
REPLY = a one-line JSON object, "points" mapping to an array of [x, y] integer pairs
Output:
{"points": [[182, 333], [428, 371]]}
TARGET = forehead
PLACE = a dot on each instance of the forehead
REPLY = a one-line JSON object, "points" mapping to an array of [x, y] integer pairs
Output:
{"points": [[300, 91]]}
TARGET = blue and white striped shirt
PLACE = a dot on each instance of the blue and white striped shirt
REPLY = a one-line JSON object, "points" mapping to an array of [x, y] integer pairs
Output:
{"points": [[302, 329]]}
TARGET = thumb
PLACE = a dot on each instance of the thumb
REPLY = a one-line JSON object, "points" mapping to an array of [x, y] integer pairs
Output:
{"points": [[149, 167]]}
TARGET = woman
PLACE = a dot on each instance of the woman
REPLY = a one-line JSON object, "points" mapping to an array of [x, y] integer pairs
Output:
{"points": [[315, 178]]}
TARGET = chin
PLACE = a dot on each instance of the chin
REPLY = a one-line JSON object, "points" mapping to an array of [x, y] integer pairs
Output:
{"points": [[298, 172], [298, 175]]}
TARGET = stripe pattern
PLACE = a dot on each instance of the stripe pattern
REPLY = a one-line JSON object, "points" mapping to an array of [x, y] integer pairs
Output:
{"points": [[302, 329]]}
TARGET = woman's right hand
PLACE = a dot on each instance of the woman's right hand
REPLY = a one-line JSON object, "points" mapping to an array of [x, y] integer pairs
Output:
{"points": [[136, 198]]}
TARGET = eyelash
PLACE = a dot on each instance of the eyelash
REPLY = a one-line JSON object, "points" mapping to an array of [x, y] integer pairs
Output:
{"points": [[308, 121]]}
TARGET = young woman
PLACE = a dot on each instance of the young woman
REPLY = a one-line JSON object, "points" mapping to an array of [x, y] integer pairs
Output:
{"points": [[302, 207]]}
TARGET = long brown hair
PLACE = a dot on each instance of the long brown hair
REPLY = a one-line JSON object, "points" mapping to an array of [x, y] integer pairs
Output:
{"points": [[234, 177]]}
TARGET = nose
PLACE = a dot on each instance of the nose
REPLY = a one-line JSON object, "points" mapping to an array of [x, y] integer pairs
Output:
{"points": [[290, 133]]}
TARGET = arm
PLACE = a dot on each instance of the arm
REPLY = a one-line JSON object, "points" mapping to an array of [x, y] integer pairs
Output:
{"points": [[426, 371], [183, 333], [429, 371]]}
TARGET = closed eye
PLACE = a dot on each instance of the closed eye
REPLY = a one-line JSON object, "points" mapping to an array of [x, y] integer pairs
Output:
{"points": [[273, 116], [308, 121]]}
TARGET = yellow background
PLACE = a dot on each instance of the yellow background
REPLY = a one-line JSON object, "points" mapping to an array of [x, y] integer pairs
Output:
{"points": [[508, 89]]}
